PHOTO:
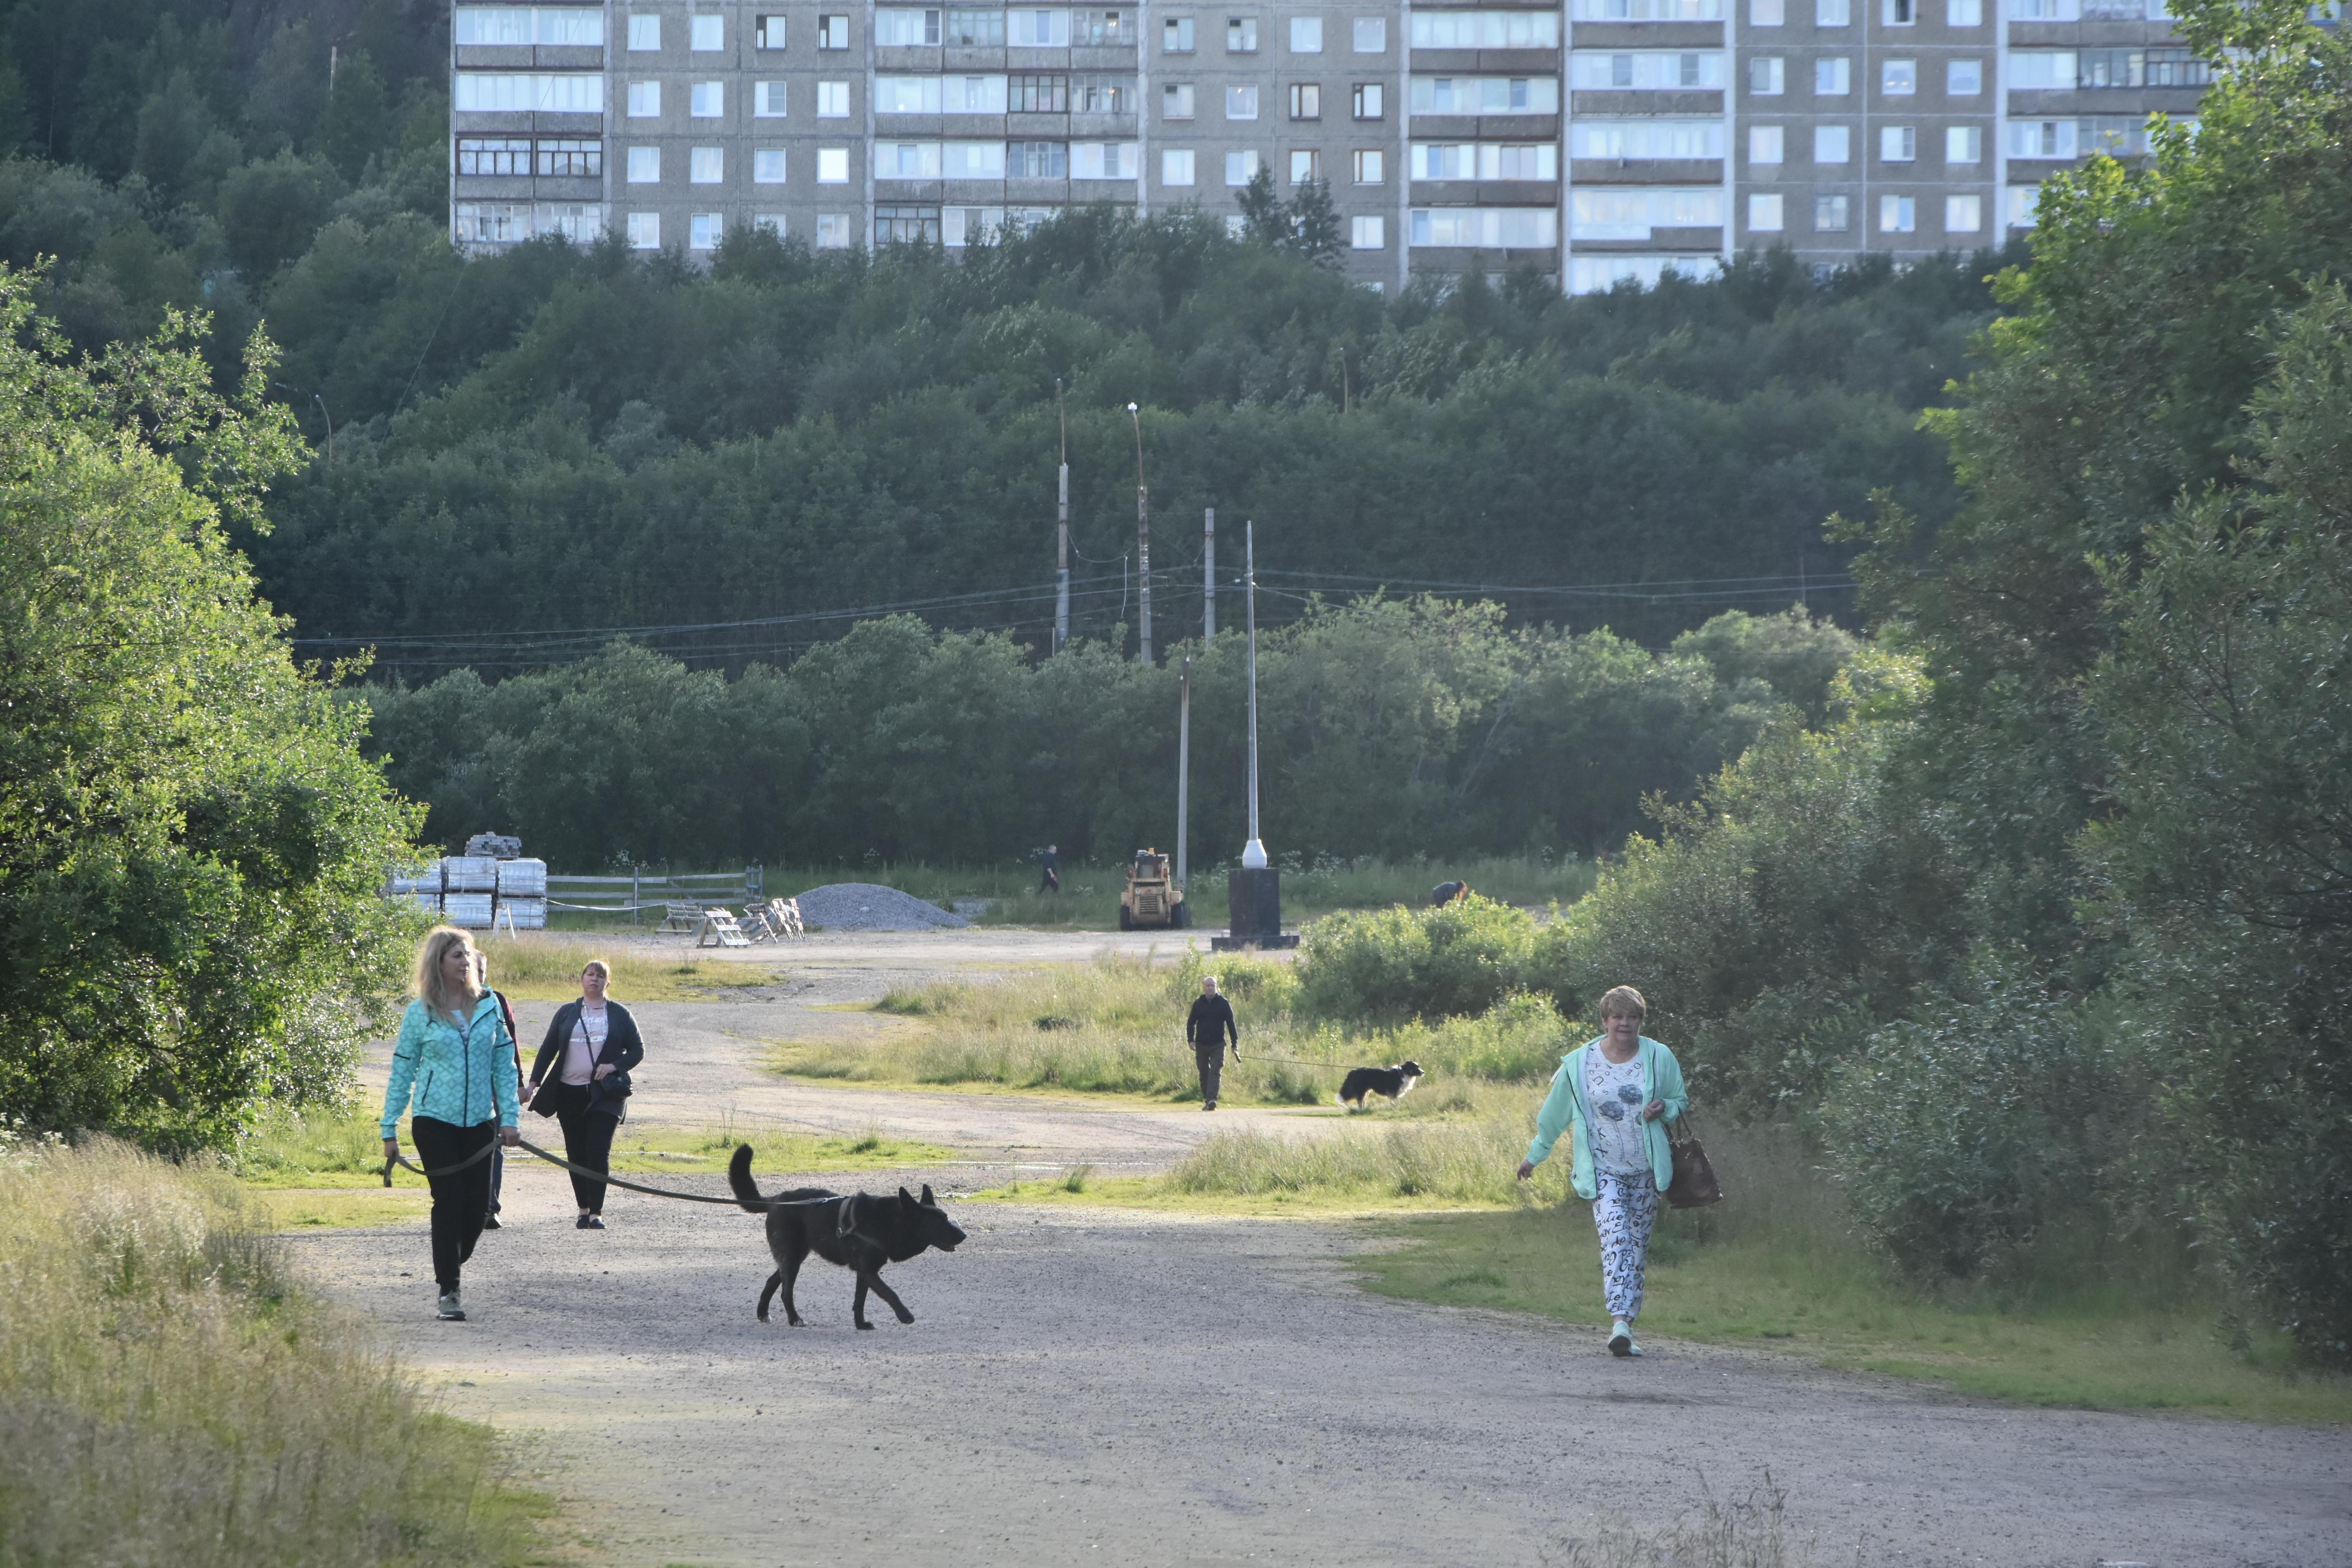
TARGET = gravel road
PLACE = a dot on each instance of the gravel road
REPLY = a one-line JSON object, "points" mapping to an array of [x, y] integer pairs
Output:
{"points": [[1096, 1386]]}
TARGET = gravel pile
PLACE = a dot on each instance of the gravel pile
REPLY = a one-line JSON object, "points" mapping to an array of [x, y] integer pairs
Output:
{"points": [[868, 906]]}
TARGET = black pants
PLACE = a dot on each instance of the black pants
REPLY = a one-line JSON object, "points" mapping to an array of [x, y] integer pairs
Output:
{"points": [[1051, 882], [587, 1141], [1210, 1060], [461, 1200]]}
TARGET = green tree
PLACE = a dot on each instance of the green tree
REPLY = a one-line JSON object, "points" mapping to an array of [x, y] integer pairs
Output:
{"points": [[1316, 230], [270, 208], [1265, 220], [357, 122], [190, 842]]}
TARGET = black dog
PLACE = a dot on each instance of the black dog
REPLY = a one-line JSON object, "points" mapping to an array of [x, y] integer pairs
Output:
{"points": [[1391, 1081], [860, 1233]]}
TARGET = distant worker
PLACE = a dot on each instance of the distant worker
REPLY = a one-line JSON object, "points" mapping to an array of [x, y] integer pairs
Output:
{"points": [[1210, 1026], [1050, 865], [1446, 893]]}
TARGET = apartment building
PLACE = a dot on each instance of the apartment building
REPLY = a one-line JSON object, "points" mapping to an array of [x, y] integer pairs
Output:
{"points": [[1600, 139]]}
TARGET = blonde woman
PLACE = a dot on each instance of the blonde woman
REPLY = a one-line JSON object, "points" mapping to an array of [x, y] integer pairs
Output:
{"points": [[456, 1058], [1614, 1096]]}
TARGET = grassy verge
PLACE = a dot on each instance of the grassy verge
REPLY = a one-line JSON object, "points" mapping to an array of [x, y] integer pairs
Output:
{"points": [[545, 967], [169, 1394], [1117, 1026]]}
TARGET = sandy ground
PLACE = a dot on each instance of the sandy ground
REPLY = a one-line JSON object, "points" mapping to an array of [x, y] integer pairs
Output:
{"points": [[1098, 1386]]}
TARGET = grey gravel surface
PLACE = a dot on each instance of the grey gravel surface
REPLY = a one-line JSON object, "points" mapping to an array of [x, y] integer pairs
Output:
{"points": [[868, 906], [1104, 1387]]}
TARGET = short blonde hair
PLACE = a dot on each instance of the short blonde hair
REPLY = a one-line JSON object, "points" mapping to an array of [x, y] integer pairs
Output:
{"points": [[1623, 1001], [431, 988]]}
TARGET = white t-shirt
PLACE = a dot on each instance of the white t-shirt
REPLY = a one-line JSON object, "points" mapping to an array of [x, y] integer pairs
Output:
{"points": [[587, 1039], [1614, 1090]]}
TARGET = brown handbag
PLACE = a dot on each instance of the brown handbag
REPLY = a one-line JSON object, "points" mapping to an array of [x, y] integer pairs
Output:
{"points": [[1694, 1185]]}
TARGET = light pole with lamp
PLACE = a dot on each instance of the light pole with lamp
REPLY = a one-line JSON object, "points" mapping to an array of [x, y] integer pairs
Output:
{"points": [[1253, 889], [1142, 537]]}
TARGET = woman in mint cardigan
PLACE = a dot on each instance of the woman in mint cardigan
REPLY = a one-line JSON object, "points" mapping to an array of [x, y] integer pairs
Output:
{"points": [[1614, 1096]]}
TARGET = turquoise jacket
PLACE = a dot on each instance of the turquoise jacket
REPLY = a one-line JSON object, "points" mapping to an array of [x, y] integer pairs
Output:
{"points": [[1564, 1110], [461, 1076]]}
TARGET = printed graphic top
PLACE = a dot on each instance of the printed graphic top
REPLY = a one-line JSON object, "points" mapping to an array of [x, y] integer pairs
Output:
{"points": [[1613, 1090]]}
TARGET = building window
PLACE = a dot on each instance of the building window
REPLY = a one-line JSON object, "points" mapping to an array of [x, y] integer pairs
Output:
{"points": [[833, 101], [645, 32], [1832, 13], [900, 27], [488, 155], [1964, 79], [1176, 166], [1900, 13], [707, 99], [644, 231], [974, 160], [1829, 214], [1035, 94], [1765, 143], [1038, 160], [1832, 78], [1369, 233], [1963, 214], [492, 222], [1305, 101], [1241, 36], [1964, 13], [1898, 78], [645, 101], [833, 231], [833, 32], [1027, 29], [1767, 12], [1107, 29], [1241, 104], [1307, 34], [1767, 75], [833, 165], [1371, 35], [906, 225], [1306, 165], [768, 166], [968, 28], [767, 100], [1372, 167], [1831, 143], [1895, 215], [571, 160], [578, 222], [708, 34], [1367, 100], [769, 34], [1176, 35], [706, 165], [1964, 145], [1764, 214], [2023, 200], [513, 24], [645, 165], [1898, 143], [1176, 101], [1102, 159], [1240, 167], [704, 230]]}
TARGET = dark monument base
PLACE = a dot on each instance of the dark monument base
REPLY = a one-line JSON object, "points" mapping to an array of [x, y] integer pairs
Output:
{"points": [[1254, 899]]}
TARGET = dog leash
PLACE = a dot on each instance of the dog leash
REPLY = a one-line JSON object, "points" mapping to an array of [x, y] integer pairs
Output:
{"points": [[608, 1179]]}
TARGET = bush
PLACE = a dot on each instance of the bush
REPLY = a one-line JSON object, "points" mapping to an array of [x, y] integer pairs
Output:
{"points": [[1398, 963], [1963, 1133]]}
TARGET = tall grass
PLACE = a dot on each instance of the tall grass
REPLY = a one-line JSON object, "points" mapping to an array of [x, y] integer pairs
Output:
{"points": [[170, 1395], [1463, 1162], [538, 967], [1117, 1025]]}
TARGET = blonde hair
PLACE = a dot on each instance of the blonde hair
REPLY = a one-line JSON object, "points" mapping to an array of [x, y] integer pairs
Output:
{"points": [[601, 967], [432, 989], [1624, 1001]]}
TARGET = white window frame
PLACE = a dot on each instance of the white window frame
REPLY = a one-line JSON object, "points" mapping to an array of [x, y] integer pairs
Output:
{"points": [[707, 100], [644, 166], [1767, 212], [1242, 162], [707, 33], [1240, 100], [1898, 76], [705, 166], [1307, 34], [1179, 168], [1370, 166], [644, 33], [1963, 213], [1178, 101], [1835, 68], [1369, 35], [644, 231], [769, 166], [1768, 76], [833, 101], [833, 165], [1898, 214], [1768, 145], [1952, 69], [1832, 144], [1898, 143], [1367, 232], [767, 99]]}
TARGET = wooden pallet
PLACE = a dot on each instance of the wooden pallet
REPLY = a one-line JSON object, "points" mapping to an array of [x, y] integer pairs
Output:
{"points": [[719, 930]]}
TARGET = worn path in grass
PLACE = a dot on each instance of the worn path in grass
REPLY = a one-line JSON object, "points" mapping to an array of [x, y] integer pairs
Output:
{"points": [[1089, 1386], [1113, 1387]]}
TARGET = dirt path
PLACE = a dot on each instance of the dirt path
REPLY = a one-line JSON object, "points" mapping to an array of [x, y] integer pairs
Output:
{"points": [[1106, 1387]]}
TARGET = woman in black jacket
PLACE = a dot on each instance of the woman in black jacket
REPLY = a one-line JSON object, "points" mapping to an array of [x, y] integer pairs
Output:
{"points": [[582, 1078]]}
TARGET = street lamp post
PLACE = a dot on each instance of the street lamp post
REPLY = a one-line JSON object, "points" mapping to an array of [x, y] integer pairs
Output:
{"points": [[1142, 537]]}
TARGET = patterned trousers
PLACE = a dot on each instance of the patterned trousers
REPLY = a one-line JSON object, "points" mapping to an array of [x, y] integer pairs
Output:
{"points": [[1625, 1210]]}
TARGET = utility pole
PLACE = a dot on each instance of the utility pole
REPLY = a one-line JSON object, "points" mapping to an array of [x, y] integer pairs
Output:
{"points": [[1209, 575], [1062, 591], [1142, 539], [1183, 765], [1254, 852]]}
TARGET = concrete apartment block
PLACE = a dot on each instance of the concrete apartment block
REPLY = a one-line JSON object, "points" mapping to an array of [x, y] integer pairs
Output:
{"points": [[1599, 140]]}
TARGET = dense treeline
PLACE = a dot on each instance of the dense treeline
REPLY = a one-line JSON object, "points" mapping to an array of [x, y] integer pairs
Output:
{"points": [[1387, 728], [2048, 936], [567, 438]]}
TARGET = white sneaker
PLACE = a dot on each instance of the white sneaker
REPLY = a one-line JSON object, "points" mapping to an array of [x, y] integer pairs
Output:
{"points": [[452, 1311], [1620, 1339]]}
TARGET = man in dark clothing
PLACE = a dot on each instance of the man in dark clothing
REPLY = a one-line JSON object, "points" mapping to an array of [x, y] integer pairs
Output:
{"points": [[1050, 864], [1209, 1027]]}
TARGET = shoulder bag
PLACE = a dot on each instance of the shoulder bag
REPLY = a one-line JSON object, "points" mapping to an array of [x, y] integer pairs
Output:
{"points": [[1694, 1185]]}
